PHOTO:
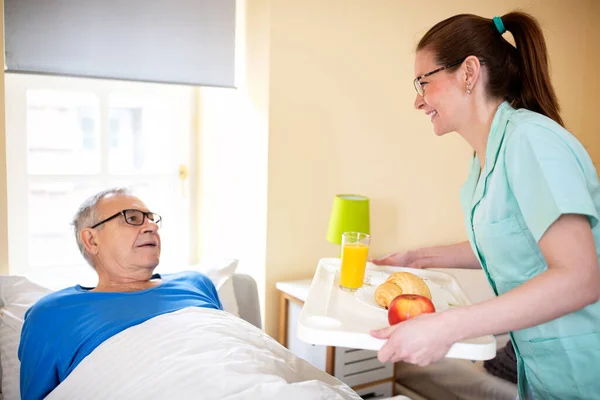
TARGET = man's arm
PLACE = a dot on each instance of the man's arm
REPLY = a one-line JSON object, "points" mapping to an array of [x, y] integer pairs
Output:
{"points": [[39, 373], [206, 285]]}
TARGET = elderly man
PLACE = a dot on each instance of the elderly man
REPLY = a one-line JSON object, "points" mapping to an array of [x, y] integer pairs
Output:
{"points": [[118, 236]]}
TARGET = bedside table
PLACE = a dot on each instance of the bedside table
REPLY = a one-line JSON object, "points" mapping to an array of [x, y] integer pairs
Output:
{"points": [[359, 369]]}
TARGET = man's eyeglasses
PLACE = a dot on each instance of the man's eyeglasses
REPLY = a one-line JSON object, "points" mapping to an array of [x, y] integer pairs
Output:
{"points": [[134, 217], [417, 81]]}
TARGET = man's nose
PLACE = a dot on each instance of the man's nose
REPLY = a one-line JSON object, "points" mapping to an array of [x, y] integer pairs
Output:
{"points": [[150, 226]]}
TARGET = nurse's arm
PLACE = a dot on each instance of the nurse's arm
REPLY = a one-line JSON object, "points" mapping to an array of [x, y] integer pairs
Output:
{"points": [[571, 282], [459, 255]]}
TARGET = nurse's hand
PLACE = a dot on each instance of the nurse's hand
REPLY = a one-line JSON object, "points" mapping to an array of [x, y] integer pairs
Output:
{"points": [[420, 341], [401, 259]]}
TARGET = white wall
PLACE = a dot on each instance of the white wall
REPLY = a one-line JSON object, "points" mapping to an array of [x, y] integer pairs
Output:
{"points": [[233, 145]]}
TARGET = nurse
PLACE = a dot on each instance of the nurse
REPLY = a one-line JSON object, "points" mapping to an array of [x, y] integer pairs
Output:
{"points": [[531, 204]]}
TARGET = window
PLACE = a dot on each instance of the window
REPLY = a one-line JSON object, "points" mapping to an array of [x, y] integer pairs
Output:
{"points": [[69, 138]]}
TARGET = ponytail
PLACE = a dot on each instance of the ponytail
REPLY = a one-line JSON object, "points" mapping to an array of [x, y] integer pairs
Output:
{"points": [[537, 93]]}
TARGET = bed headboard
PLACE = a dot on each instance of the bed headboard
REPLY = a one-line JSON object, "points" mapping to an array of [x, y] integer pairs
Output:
{"points": [[246, 295]]}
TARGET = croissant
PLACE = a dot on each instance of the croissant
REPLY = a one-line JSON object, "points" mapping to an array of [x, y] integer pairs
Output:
{"points": [[386, 292], [406, 282]]}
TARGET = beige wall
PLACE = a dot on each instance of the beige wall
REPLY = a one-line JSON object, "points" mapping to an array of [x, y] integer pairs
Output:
{"points": [[3, 203], [342, 120], [590, 133]]}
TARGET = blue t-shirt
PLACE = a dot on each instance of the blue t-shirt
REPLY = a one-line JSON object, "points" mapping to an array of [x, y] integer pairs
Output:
{"points": [[64, 327]]}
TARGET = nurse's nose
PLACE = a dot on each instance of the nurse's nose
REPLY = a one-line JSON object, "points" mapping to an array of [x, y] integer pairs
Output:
{"points": [[419, 102]]}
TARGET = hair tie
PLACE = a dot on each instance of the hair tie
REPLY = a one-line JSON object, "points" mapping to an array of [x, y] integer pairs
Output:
{"points": [[499, 25]]}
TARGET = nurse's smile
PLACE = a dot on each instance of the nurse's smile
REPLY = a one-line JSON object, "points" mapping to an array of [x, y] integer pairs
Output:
{"points": [[431, 114]]}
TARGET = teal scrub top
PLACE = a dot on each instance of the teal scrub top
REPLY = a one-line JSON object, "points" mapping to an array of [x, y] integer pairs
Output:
{"points": [[534, 172]]}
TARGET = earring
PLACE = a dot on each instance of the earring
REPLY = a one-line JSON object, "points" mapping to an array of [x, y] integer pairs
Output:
{"points": [[468, 88]]}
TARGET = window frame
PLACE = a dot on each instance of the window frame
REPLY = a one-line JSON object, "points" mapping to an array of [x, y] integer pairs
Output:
{"points": [[19, 180]]}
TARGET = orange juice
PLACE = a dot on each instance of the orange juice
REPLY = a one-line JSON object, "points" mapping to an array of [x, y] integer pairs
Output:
{"points": [[354, 263]]}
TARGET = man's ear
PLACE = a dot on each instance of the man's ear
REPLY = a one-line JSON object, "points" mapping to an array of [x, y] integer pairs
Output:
{"points": [[471, 68], [89, 240]]}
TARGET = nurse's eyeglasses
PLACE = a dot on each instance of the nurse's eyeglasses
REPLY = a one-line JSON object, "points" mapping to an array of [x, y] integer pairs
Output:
{"points": [[417, 81]]}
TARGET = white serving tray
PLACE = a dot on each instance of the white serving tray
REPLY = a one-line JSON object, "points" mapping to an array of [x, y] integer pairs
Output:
{"points": [[333, 317]]}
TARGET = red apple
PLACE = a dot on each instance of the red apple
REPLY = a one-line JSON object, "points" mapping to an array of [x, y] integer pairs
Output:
{"points": [[408, 306]]}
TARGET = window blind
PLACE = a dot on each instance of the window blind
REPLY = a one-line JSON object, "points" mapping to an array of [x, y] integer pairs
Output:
{"points": [[170, 41]]}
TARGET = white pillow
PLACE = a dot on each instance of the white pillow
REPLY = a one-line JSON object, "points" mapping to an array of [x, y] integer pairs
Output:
{"points": [[17, 294], [221, 273]]}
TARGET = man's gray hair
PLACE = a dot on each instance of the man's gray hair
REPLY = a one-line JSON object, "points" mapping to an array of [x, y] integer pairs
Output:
{"points": [[87, 215]]}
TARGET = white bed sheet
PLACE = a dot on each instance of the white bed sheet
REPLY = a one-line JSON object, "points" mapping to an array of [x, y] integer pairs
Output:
{"points": [[197, 353]]}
